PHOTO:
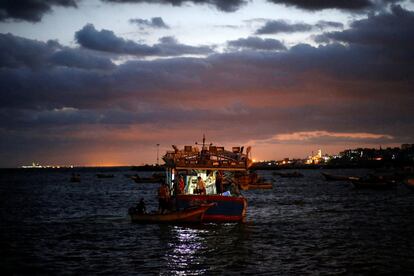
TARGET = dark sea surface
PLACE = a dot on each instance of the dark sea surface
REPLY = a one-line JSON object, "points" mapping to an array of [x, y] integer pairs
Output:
{"points": [[304, 226]]}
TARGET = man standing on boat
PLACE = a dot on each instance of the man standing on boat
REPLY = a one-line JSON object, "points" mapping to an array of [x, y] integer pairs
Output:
{"points": [[201, 186], [219, 182], [181, 185], [163, 198]]}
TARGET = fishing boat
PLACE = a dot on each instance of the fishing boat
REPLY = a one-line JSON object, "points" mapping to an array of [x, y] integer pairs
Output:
{"points": [[251, 181], [373, 182], [332, 177], [217, 169], [155, 178], [189, 215]]}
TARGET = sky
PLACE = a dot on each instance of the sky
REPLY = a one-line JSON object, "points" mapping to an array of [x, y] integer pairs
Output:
{"points": [[102, 82]]}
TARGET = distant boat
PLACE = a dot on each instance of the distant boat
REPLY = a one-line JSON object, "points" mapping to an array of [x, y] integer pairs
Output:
{"points": [[75, 178], [331, 177], [191, 214], [155, 178], [409, 183], [292, 174], [373, 182], [252, 182], [102, 175]]}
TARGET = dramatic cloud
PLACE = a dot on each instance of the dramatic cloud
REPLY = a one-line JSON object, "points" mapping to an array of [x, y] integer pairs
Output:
{"points": [[326, 4], [281, 26], [106, 41], [17, 51], [322, 24], [223, 5], [392, 30], [355, 89], [256, 43], [22, 52], [81, 59], [30, 10], [33, 10], [155, 22]]}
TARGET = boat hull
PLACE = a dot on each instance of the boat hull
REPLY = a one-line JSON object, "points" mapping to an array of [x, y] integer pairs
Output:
{"points": [[379, 185], [225, 209], [188, 215], [330, 177]]}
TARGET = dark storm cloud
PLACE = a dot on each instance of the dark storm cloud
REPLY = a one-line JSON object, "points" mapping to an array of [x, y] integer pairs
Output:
{"points": [[81, 59], [22, 52], [155, 22], [326, 4], [106, 41], [281, 26], [256, 43], [394, 30], [361, 82], [30, 10], [17, 51], [223, 5], [169, 46]]}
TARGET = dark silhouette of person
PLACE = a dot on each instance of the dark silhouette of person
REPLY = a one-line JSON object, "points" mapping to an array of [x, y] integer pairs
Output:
{"points": [[219, 183], [140, 208]]}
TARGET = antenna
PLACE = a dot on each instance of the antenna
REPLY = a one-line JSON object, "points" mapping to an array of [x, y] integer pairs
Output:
{"points": [[158, 159]]}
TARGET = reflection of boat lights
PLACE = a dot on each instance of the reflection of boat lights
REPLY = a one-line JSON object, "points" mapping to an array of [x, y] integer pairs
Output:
{"points": [[184, 258]]}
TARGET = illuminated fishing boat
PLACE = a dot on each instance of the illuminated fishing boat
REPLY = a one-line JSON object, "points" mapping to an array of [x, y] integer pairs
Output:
{"points": [[191, 214], [217, 168]]}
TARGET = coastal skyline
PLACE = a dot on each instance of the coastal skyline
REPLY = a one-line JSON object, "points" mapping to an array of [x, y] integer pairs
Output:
{"points": [[103, 82]]}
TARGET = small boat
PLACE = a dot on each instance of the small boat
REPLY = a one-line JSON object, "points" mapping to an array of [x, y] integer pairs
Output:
{"points": [[155, 178], [252, 182], [291, 175], [373, 182], [332, 177], [191, 214], [102, 175], [409, 183]]}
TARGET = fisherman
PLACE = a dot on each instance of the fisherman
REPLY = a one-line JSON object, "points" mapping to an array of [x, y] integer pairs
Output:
{"points": [[163, 198], [181, 185], [140, 208], [219, 182], [201, 186]]}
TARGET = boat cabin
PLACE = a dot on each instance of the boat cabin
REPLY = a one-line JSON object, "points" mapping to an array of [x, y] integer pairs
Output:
{"points": [[209, 162]]}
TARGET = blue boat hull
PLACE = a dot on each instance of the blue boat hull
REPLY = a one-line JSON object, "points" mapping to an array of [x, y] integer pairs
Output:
{"points": [[226, 208]]}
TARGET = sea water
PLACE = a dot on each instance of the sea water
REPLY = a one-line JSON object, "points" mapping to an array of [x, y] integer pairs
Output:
{"points": [[302, 226]]}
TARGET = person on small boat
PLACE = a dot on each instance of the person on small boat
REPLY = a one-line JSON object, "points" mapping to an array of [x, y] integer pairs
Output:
{"points": [[181, 185], [201, 186], [163, 198], [175, 188], [219, 183], [140, 208]]}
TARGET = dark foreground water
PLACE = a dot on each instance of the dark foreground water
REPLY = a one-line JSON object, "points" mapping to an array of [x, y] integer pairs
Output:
{"points": [[303, 226]]}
